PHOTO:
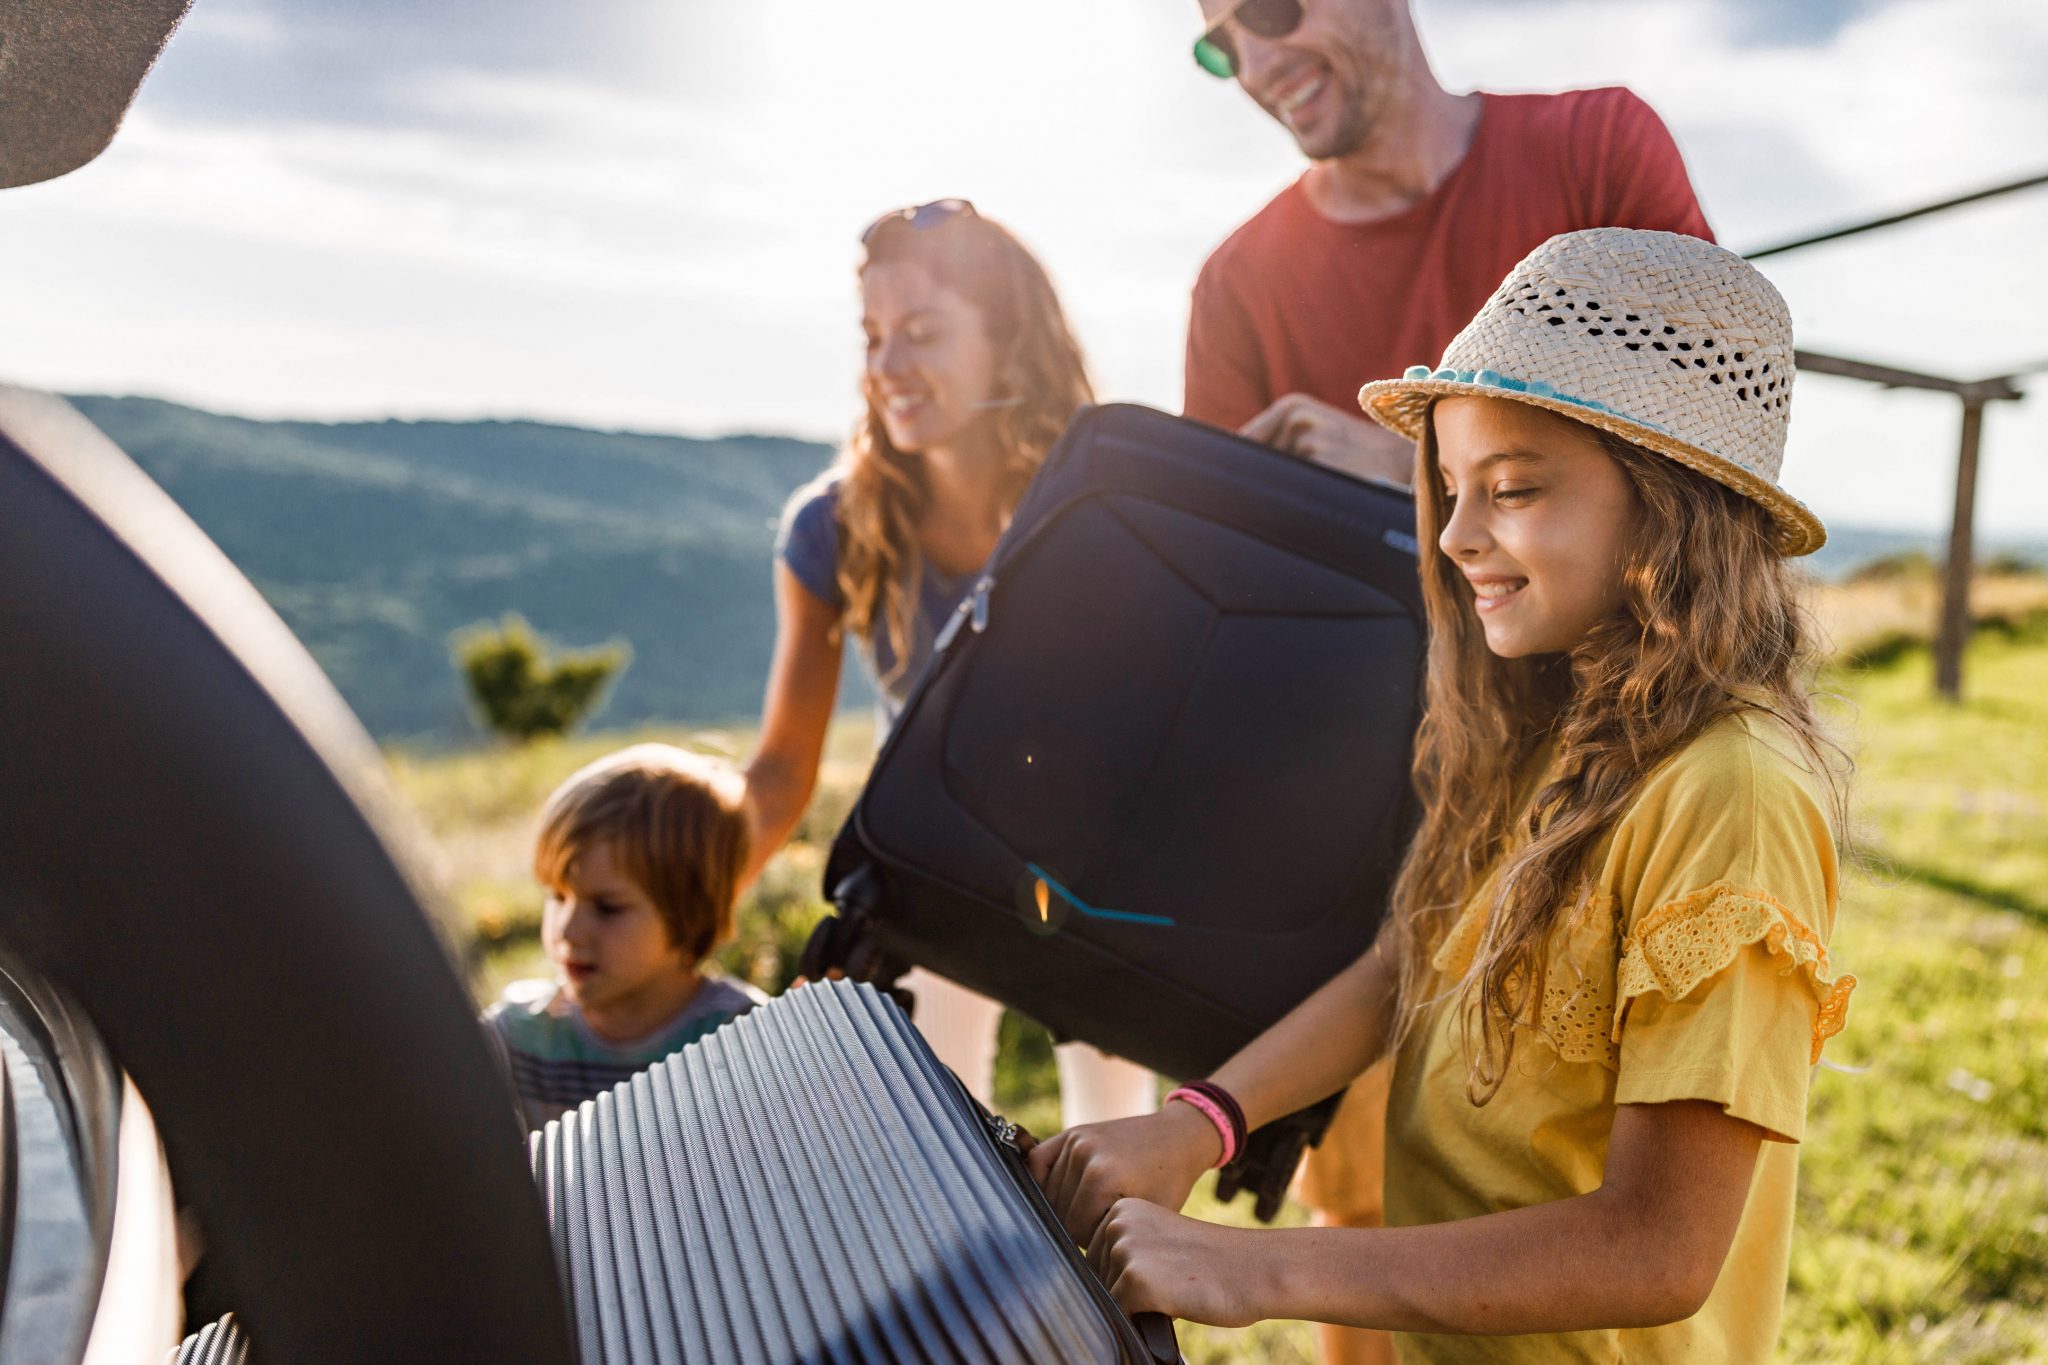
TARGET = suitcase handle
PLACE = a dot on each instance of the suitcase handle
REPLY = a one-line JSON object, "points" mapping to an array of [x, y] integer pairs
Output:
{"points": [[1156, 1330], [840, 944]]}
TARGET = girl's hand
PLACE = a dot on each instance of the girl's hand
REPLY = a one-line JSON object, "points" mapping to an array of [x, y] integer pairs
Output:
{"points": [[1157, 1157], [1155, 1261]]}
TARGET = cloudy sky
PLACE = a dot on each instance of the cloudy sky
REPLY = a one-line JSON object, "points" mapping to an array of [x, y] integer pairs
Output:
{"points": [[645, 216]]}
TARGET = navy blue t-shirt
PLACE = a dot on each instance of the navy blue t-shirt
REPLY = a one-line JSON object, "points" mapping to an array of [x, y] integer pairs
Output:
{"points": [[808, 542]]}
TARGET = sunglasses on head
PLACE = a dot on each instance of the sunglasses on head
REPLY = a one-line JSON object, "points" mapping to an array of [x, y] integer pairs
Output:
{"points": [[1216, 50], [922, 217]]}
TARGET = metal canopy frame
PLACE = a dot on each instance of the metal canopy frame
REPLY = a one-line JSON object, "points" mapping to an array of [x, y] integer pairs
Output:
{"points": [[1953, 627]]}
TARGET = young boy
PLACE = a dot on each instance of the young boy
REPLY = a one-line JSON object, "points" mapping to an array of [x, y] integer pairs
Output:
{"points": [[640, 853]]}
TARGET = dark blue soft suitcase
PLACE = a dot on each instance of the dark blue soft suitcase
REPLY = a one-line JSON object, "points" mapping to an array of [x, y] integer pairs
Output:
{"points": [[1153, 787]]}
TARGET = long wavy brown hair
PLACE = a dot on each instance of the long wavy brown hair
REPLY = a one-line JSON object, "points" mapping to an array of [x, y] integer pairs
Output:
{"points": [[1711, 626], [883, 491]]}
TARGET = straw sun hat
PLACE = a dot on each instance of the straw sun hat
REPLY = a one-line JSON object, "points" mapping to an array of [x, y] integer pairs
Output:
{"points": [[1667, 341]]}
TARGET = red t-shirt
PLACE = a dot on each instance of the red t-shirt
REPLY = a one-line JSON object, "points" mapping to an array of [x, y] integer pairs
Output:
{"points": [[1294, 303]]}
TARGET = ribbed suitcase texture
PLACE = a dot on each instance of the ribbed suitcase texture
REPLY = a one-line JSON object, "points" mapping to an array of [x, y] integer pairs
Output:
{"points": [[808, 1184], [217, 1343]]}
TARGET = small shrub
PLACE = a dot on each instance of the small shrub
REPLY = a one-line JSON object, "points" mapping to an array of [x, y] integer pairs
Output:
{"points": [[2014, 625], [521, 689], [1884, 649], [2011, 564]]}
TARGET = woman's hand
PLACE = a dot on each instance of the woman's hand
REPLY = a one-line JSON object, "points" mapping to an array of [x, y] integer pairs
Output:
{"points": [[1155, 1261], [1157, 1157]]}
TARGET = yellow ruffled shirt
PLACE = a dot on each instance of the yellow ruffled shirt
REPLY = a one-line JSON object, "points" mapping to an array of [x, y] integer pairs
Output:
{"points": [[1695, 969]]}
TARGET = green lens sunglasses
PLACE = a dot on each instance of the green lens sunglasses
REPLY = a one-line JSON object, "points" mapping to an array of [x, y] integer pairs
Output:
{"points": [[1216, 50]]}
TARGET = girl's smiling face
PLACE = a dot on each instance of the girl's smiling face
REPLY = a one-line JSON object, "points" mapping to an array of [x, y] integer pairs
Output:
{"points": [[1537, 516]]}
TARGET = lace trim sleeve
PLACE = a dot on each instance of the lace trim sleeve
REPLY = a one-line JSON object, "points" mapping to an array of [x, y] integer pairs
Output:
{"points": [[1680, 944]]}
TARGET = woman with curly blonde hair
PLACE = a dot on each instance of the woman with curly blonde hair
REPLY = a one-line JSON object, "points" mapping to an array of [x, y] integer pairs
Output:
{"points": [[971, 375]]}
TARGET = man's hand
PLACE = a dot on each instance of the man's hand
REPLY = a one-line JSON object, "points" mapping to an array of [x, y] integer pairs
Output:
{"points": [[1155, 1261], [1157, 1157], [1313, 430]]}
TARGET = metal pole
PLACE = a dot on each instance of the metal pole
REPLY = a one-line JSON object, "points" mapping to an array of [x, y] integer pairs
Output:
{"points": [[1955, 584], [1836, 234]]}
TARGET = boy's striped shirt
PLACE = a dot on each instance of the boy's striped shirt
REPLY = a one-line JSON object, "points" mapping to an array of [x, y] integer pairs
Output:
{"points": [[556, 1061]]}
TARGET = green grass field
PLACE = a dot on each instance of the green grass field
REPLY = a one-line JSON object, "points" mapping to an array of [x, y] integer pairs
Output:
{"points": [[1923, 1218]]}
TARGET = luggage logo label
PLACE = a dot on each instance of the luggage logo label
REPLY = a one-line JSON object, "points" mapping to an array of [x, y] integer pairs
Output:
{"points": [[1045, 904]]}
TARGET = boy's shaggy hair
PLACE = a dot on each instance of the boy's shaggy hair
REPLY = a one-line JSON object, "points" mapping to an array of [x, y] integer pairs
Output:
{"points": [[1711, 626], [673, 821]]}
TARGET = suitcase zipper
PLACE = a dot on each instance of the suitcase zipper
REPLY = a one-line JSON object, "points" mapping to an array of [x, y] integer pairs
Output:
{"points": [[978, 603], [972, 611]]}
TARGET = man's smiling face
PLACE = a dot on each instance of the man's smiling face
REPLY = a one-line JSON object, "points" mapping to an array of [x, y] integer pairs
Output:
{"points": [[1332, 79]]}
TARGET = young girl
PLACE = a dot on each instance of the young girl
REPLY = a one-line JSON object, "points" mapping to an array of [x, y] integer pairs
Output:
{"points": [[1605, 978], [971, 375]]}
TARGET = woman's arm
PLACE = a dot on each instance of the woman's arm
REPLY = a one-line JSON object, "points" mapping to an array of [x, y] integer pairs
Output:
{"points": [[1319, 1047], [1643, 1249], [803, 682]]}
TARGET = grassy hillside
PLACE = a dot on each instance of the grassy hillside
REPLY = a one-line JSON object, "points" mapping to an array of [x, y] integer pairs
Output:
{"points": [[375, 540], [1923, 1215]]}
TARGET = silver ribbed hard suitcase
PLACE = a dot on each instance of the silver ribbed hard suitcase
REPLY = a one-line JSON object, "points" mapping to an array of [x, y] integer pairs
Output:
{"points": [[217, 1343], [809, 1184]]}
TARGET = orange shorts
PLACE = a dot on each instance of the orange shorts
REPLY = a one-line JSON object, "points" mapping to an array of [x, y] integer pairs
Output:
{"points": [[1345, 1177]]}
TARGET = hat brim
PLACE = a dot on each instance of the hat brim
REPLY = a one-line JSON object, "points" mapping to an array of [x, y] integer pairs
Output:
{"points": [[1402, 405]]}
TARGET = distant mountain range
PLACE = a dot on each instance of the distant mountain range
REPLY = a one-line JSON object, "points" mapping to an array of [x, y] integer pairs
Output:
{"points": [[376, 540], [1850, 546]]}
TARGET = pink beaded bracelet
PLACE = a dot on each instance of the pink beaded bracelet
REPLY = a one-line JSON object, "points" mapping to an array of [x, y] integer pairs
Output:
{"points": [[1215, 1115]]}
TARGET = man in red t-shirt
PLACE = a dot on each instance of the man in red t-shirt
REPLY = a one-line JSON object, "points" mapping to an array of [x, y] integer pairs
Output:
{"points": [[1415, 205]]}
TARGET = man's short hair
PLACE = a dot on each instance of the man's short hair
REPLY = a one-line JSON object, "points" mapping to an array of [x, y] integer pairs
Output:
{"points": [[674, 823]]}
